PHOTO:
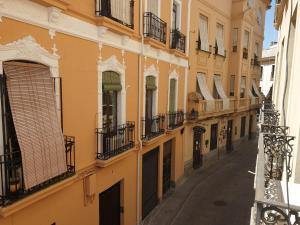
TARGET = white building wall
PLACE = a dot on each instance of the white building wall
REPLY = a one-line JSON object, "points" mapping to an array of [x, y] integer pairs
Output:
{"points": [[293, 88], [266, 82]]}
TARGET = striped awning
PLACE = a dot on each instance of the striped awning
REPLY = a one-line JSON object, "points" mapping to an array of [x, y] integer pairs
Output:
{"points": [[35, 118], [221, 92]]}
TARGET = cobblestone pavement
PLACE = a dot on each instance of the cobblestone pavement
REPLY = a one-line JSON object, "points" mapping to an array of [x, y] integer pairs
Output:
{"points": [[221, 194]]}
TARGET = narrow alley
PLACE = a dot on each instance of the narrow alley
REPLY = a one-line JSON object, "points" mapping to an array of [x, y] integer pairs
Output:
{"points": [[221, 194]]}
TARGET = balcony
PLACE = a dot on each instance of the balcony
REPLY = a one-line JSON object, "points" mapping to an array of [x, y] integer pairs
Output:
{"points": [[205, 108], [112, 141], [154, 29], [12, 184], [175, 120], [273, 170], [109, 15], [154, 127], [177, 40]]}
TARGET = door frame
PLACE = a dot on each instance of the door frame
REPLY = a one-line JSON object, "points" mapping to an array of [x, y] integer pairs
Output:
{"points": [[197, 146], [229, 146]]}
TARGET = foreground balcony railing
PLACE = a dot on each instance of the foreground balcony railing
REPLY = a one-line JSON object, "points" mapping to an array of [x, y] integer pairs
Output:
{"points": [[177, 40], [175, 119], [12, 187], [273, 169], [153, 127], [112, 141], [154, 27], [123, 16]]}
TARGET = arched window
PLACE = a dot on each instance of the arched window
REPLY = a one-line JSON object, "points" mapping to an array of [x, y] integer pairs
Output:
{"points": [[111, 85]]}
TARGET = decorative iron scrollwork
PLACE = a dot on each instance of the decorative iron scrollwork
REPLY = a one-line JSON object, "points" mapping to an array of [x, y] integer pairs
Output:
{"points": [[278, 149], [271, 117], [273, 215], [281, 130]]}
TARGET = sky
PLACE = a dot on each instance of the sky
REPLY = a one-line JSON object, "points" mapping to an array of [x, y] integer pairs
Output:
{"points": [[270, 32]]}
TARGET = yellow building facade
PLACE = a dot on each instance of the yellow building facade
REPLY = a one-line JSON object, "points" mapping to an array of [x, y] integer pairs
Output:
{"points": [[121, 79]]}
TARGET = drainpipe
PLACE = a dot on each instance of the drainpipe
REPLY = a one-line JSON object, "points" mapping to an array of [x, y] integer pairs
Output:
{"points": [[140, 89], [187, 53]]}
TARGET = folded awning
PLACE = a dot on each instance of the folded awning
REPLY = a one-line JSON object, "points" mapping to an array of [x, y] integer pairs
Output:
{"points": [[205, 92], [252, 97], [256, 90], [32, 103], [221, 92]]}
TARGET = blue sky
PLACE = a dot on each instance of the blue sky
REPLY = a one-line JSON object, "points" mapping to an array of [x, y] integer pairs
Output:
{"points": [[270, 32]]}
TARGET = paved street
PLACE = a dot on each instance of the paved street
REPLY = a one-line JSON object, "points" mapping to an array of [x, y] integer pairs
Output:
{"points": [[221, 194]]}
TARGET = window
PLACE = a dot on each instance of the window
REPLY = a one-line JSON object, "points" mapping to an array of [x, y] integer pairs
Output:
{"points": [[272, 73], [118, 10], [176, 15], [152, 6], [110, 87], [235, 39], [246, 44], [261, 73], [150, 89], [219, 49], [243, 87], [31, 144], [203, 43], [231, 88], [172, 95], [243, 126], [215, 90]]}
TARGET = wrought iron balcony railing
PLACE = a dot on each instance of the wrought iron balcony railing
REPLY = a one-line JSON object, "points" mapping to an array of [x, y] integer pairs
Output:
{"points": [[154, 27], [153, 127], [177, 40], [175, 119], [112, 141], [274, 160], [123, 16], [192, 115], [12, 187]]}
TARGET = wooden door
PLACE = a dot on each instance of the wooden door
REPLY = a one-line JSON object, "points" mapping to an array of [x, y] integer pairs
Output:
{"points": [[167, 165], [214, 137], [149, 181], [109, 206]]}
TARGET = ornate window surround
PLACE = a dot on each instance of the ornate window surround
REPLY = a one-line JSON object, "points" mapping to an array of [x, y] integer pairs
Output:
{"points": [[27, 48], [151, 71], [112, 64], [173, 75]]}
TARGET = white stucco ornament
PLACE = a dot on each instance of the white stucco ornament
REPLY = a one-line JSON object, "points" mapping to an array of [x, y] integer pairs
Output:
{"points": [[27, 48], [53, 14]]}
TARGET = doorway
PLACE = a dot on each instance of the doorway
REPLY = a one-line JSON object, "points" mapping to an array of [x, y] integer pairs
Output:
{"points": [[149, 181], [109, 206], [250, 127], [167, 166], [197, 146], [229, 146], [214, 137]]}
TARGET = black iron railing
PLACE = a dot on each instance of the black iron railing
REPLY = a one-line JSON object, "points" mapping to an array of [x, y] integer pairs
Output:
{"points": [[274, 158], [112, 141], [154, 27], [126, 17], [12, 186], [177, 40], [199, 47], [153, 127], [245, 53], [193, 115], [175, 119]]}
